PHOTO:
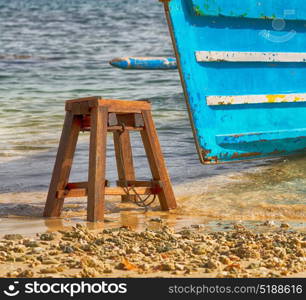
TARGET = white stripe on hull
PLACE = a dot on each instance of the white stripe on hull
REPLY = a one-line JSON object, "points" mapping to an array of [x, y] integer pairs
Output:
{"points": [[235, 56], [253, 99]]}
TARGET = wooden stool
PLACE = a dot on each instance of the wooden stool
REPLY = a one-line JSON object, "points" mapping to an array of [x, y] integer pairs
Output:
{"points": [[101, 116]]}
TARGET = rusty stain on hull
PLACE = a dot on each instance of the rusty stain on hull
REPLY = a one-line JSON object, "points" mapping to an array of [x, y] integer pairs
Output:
{"points": [[244, 155], [260, 137], [252, 9]]}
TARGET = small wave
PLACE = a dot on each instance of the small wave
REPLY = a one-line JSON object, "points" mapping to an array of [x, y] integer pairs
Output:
{"points": [[269, 192], [15, 56], [259, 212], [28, 58]]}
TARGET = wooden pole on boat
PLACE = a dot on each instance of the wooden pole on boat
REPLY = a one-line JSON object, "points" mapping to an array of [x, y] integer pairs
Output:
{"points": [[144, 63]]}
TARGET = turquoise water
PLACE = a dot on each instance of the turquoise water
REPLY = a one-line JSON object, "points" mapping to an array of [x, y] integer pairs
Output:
{"points": [[52, 51]]}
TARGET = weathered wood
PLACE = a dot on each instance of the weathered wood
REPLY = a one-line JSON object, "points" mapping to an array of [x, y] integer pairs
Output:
{"points": [[84, 108], [132, 125], [122, 191], [124, 159], [62, 165], [114, 105], [97, 164], [237, 56], [75, 185], [84, 99], [91, 102], [156, 162], [80, 108], [93, 114], [110, 191], [139, 183], [253, 99], [129, 120], [125, 106], [119, 128]]}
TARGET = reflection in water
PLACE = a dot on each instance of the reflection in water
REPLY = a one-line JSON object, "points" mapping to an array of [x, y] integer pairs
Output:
{"points": [[274, 191], [271, 192]]}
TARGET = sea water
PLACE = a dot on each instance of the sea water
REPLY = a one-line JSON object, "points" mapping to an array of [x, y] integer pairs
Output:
{"points": [[51, 51]]}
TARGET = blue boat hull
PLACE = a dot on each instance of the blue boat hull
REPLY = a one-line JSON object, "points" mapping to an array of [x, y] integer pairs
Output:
{"points": [[243, 70]]}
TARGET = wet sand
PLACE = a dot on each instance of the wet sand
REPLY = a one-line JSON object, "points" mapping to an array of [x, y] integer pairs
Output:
{"points": [[247, 203], [20, 215]]}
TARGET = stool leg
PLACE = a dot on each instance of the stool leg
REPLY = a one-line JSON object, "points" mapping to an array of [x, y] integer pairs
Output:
{"points": [[97, 164], [124, 159], [63, 164], [156, 161]]}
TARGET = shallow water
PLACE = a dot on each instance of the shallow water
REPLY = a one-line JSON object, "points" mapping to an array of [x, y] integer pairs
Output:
{"points": [[56, 50]]}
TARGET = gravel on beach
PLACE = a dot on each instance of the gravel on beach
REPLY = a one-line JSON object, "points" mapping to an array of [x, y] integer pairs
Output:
{"points": [[122, 252]]}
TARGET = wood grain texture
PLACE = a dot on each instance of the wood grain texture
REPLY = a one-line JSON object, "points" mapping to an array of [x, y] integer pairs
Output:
{"points": [[124, 106], [93, 114], [124, 159], [110, 191], [97, 164], [156, 161], [62, 165]]}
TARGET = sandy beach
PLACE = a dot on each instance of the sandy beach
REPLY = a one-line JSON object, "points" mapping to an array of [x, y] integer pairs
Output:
{"points": [[160, 252]]}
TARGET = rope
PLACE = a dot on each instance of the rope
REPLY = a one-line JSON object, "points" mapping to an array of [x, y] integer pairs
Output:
{"points": [[138, 200]]}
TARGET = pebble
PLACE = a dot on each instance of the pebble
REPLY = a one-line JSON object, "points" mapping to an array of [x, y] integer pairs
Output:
{"points": [[47, 236], [31, 243], [197, 226], [49, 270], [67, 249], [13, 237], [167, 267], [234, 253], [212, 264], [269, 223], [158, 220], [225, 260], [179, 267], [284, 225], [37, 250], [199, 250]]}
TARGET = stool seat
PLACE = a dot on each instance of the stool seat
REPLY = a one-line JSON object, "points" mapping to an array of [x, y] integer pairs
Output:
{"points": [[99, 116], [83, 105]]}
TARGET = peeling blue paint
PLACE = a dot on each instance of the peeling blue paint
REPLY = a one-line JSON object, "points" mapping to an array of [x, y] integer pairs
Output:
{"points": [[144, 63], [265, 129], [266, 9], [231, 139]]}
